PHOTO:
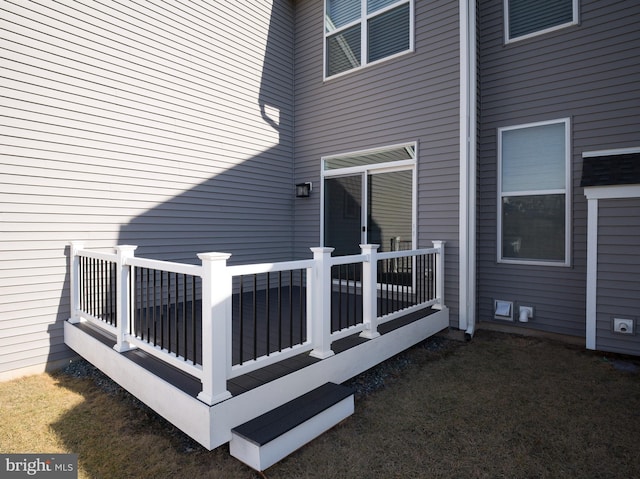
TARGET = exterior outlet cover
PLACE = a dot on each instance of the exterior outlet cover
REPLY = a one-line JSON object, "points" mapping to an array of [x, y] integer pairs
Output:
{"points": [[623, 326]]}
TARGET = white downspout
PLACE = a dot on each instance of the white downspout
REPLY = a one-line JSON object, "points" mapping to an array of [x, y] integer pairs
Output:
{"points": [[468, 119]]}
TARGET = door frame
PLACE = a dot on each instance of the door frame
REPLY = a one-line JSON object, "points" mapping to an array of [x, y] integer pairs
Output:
{"points": [[372, 169]]}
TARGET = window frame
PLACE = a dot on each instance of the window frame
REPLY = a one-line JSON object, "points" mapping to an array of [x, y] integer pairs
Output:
{"points": [[363, 21], [507, 39], [566, 191]]}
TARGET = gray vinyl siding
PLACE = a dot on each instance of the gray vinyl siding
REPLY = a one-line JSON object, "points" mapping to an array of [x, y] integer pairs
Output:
{"points": [[588, 73], [618, 284], [414, 97], [161, 124]]}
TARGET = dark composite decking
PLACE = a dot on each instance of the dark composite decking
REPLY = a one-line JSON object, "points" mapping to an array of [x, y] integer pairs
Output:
{"points": [[246, 382]]}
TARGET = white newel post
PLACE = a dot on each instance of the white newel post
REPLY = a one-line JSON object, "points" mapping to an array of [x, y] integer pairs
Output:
{"points": [[216, 327], [124, 296], [321, 303], [74, 280], [370, 291], [439, 274]]}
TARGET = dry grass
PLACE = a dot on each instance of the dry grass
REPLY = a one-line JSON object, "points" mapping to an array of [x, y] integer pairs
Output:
{"points": [[500, 406]]}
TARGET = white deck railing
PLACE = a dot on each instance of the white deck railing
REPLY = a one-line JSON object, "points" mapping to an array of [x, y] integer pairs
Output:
{"points": [[183, 314]]}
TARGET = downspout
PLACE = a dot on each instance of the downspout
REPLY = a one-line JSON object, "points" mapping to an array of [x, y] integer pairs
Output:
{"points": [[468, 125]]}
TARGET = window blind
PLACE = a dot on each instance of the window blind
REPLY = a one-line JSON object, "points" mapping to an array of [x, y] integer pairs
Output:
{"points": [[375, 5], [343, 50], [527, 16], [533, 159], [341, 12], [389, 33]]}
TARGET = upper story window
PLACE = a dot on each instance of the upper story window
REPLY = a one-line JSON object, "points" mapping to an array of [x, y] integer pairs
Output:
{"points": [[360, 32], [526, 18], [533, 193]]}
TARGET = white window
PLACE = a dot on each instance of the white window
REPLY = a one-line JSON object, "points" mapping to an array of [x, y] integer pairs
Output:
{"points": [[361, 32], [526, 18], [534, 193]]}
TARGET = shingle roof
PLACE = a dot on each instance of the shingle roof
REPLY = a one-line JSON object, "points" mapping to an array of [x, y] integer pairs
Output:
{"points": [[611, 170]]}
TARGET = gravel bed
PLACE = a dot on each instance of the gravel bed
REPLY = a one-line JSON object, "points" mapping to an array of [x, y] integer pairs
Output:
{"points": [[378, 376]]}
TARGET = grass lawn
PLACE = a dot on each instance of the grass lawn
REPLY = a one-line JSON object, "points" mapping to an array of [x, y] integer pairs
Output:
{"points": [[501, 406]]}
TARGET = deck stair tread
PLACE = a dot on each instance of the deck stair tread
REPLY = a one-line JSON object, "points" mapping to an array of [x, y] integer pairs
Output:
{"points": [[276, 422], [266, 439]]}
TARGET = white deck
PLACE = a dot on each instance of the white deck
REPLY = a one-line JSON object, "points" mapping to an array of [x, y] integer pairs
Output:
{"points": [[211, 425]]}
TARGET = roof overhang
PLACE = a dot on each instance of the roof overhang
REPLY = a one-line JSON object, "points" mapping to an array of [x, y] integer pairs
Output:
{"points": [[611, 168]]}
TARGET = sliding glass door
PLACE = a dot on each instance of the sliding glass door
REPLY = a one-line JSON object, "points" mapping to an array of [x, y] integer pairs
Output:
{"points": [[369, 198]]}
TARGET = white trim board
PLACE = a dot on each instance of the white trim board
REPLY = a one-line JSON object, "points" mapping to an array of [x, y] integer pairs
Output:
{"points": [[617, 151], [611, 192]]}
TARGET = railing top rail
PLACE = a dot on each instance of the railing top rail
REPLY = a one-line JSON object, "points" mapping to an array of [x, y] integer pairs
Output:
{"points": [[98, 255], [180, 268], [245, 269], [409, 252], [354, 258]]}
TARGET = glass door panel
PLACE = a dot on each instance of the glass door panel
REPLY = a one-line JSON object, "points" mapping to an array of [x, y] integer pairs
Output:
{"points": [[390, 211], [343, 214]]}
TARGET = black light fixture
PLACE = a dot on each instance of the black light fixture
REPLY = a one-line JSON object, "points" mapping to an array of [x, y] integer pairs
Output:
{"points": [[303, 189]]}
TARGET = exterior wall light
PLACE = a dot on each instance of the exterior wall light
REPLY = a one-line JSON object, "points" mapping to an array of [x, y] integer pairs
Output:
{"points": [[303, 189]]}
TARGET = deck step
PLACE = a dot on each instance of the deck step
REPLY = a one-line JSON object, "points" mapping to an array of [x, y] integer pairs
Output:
{"points": [[267, 439]]}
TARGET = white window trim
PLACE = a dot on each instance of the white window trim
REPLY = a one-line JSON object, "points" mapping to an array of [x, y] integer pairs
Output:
{"points": [[363, 22], [507, 40], [374, 169], [566, 191]]}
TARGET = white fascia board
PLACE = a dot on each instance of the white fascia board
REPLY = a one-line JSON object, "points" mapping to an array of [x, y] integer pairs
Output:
{"points": [[617, 151]]}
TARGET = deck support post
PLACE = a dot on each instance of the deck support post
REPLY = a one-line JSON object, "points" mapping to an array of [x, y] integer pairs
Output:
{"points": [[321, 303], [123, 297], [74, 280], [369, 291], [439, 274], [216, 327]]}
